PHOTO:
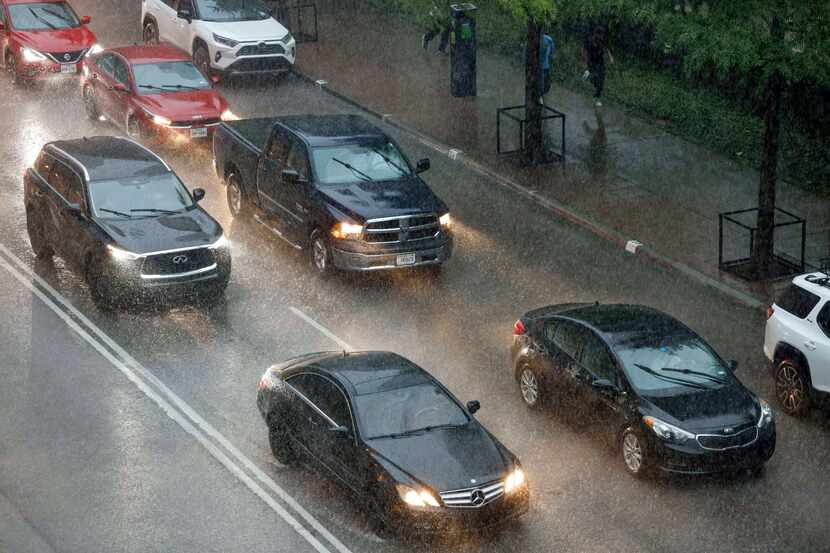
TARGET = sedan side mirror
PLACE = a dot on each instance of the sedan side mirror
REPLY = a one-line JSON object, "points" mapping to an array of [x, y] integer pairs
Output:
{"points": [[198, 194], [423, 165], [85, 20], [733, 365], [473, 406]]}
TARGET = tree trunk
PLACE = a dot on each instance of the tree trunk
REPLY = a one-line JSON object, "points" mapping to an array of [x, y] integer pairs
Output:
{"points": [[534, 151], [763, 248]]}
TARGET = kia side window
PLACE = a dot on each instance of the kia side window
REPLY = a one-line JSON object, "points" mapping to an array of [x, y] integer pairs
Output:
{"points": [[298, 160], [568, 338], [120, 72], [105, 65], [823, 319], [596, 359], [322, 394], [550, 330]]}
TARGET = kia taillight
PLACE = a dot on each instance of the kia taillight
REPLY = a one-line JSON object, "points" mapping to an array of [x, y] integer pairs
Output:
{"points": [[518, 328], [770, 311]]}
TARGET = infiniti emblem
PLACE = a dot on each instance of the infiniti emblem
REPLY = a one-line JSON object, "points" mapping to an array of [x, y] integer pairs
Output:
{"points": [[477, 497], [67, 57], [179, 259]]}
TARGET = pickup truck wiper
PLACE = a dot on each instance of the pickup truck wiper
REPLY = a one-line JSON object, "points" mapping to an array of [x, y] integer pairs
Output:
{"points": [[355, 170], [696, 373], [121, 213], [150, 210], [671, 379], [45, 21], [389, 161]]}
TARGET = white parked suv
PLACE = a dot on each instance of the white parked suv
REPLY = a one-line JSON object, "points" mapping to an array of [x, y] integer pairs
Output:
{"points": [[797, 342], [224, 37]]}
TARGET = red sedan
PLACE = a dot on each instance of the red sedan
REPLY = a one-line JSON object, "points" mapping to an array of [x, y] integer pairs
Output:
{"points": [[41, 39], [154, 92]]}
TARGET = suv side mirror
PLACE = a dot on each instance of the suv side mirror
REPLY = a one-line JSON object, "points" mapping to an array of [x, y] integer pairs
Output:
{"points": [[85, 20], [341, 432], [74, 208], [733, 365], [184, 13], [198, 194], [473, 406], [423, 165]]}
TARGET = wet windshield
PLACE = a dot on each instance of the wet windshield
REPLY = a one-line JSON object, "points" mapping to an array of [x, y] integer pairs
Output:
{"points": [[657, 363], [359, 162], [232, 10], [42, 16], [407, 410], [139, 197], [152, 78]]}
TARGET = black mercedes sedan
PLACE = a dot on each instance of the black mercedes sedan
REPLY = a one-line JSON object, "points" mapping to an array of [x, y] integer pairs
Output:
{"points": [[669, 400], [394, 437], [119, 216]]}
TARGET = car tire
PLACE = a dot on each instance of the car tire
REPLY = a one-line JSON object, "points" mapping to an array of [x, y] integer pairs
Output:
{"points": [[634, 452], [792, 388], [37, 238], [11, 70], [321, 254], [530, 386], [201, 59], [280, 446], [90, 104], [150, 33], [237, 203], [133, 128], [94, 279]]}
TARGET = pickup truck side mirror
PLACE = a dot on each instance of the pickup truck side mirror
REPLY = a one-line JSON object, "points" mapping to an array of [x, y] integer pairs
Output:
{"points": [[292, 176], [423, 165], [198, 194], [184, 13], [85, 20], [473, 406]]}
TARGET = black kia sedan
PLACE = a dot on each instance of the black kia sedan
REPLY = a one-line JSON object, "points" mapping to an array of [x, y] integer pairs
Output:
{"points": [[394, 437], [669, 400], [119, 216]]}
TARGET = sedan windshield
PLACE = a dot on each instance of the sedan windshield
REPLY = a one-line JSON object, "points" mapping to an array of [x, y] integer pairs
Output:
{"points": [[402, 411], [42, 16], [657, 363], [152, 78], [359, 162], [139, 196], [232, 10]]}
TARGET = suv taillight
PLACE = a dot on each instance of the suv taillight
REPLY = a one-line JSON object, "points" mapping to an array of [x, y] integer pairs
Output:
{"points": [[518, 328], [770, 311]]}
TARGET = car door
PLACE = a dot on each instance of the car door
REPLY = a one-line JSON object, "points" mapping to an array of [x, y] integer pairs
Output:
{"points": [[566, 339], [120, 98], [4, 32], [296, 191], [68, 216], [598, 365], [164, 12], [819, 358], [103, 81], [269, 178], [180, 27]]}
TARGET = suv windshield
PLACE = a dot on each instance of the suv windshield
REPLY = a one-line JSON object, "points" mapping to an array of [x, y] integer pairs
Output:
{"points": [[139, 196], [232, 10], [42, 16], [660, 362], [406, 410], [152, 78], [359, 162]]}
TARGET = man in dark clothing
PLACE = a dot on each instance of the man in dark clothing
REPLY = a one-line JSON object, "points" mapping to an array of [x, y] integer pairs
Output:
{"points": [[593, 53], [438, 22]]}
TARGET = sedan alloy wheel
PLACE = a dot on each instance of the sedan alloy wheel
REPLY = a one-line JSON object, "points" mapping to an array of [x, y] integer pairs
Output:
{"points": [[529, 386], [633, 452]]}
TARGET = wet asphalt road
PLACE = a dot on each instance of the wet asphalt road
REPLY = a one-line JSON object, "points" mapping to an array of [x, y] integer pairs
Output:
{"points": [[88, 462]]}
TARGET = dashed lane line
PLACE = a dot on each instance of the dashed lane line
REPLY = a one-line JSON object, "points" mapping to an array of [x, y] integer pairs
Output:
{"points": [[325, 331]]}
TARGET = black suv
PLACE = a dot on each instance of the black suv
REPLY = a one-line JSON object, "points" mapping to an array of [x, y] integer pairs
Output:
{"points": [[670, 401], [117, 214], [334, 185]]}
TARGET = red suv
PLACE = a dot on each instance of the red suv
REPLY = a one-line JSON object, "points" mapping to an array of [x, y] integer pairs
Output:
{"points": [[154, 92], [40, 39]]}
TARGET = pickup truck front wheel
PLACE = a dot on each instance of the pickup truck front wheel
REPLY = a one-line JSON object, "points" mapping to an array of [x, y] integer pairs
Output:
{"points": [[321, 253], [236, 198]]}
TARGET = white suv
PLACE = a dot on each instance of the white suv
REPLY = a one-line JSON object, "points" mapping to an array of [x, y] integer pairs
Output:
{"points": [[224, 38], [797, 342]]}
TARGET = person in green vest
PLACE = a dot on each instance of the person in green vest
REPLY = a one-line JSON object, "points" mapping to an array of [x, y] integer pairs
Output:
{"points": [[438, 22]]}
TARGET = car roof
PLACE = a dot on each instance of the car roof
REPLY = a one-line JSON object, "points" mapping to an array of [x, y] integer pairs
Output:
{"points": [[329, 130], [10, 2], [813, 283], [151, 53], [108, 157], [367, 372]]}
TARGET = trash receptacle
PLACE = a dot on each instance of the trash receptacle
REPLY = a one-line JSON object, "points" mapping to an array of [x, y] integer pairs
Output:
{"points": [[463, 50]]}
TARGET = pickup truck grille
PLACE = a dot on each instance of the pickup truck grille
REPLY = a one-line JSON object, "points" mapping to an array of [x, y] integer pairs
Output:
{"points": [[177, 262], [261, 50], [473, 498], [398, 230]]}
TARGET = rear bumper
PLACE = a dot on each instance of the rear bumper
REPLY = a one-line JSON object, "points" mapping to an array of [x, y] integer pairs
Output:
{"points": [[354, 261]]}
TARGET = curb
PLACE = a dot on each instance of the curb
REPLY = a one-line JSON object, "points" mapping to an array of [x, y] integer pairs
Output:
{"points": [[633, 247]]}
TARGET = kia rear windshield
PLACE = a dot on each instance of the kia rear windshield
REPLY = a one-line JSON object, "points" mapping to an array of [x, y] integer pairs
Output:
{"points": [[232, 10], [42, 16], [172, 76]]}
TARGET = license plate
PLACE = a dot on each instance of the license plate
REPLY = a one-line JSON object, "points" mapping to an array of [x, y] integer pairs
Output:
{"points": [[69, 68], [198, 132], [406, 259]]}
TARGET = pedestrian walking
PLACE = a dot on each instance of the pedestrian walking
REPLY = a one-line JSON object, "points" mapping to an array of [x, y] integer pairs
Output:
{"points": [[438, 22], [546, 50], [593, 54]]}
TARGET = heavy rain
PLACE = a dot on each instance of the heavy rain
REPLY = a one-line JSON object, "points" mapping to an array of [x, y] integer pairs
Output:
{"points": [[347, 276]]}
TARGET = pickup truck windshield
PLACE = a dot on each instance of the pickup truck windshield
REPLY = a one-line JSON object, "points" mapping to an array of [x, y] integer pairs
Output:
{"points": [[173, 76], [139, 196], [381, 161], [232, 10], [42, 16]]}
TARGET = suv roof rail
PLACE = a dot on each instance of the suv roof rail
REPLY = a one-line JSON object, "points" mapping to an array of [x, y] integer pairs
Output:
{"points": [[819, 279]]}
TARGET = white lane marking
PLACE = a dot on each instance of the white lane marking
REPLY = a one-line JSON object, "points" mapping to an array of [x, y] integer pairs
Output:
{"points": [[632, 246], [175, 399], [328, 333], [453, 153]]}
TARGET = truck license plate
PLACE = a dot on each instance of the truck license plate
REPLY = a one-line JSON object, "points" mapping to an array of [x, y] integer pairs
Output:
{"points": [[69, 68], [406, 259], [198, 132]]}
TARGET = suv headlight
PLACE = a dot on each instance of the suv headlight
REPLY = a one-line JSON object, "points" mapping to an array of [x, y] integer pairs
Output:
{"points": [[224, 41], [514, 480], [445, 220], [347, 231], [30, 55], [222, 243], [121, 255], [668, 432], [766, 413], [416, 498]]}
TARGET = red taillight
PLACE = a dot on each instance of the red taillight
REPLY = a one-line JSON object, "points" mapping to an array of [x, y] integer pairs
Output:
{"points": [[518, 328], [770, 311]]}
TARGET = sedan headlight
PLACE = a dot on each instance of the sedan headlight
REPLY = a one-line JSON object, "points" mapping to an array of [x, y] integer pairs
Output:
{"points": [[766, 413], [121, 255], [668, 432], [417, 498], [94, 49], [159, 120], [347, 231], [514, 481], [445, 220], [31, 56], [224, 41], [228, 115]]}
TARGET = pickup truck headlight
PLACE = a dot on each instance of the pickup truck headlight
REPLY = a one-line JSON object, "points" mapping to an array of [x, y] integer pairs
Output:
{"points": [[445, 220], [30, 55], [347, 231], [224, 41], [668, 432]]}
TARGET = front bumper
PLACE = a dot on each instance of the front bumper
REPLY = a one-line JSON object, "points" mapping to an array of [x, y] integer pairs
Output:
{"points": [[181, 134], [235, 61], [693, 459], [48, 70], [357, 261]]}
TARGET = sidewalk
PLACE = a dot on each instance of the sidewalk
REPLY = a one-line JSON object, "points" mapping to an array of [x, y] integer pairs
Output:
{"points": [[627, 175]]}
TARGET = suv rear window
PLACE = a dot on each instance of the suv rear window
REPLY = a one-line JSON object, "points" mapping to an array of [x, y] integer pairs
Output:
{"points": [[797, 301]]}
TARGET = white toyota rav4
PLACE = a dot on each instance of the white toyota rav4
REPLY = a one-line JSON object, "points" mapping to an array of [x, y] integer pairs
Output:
{"points": [[225, 37], [797, 342]]}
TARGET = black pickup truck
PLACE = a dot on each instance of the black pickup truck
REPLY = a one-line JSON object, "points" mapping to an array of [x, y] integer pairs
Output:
{"points": [[335, 186]]}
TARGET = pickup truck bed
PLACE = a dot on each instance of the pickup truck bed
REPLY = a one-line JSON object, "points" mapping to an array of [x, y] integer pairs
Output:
{"points": [[254, 131]]}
